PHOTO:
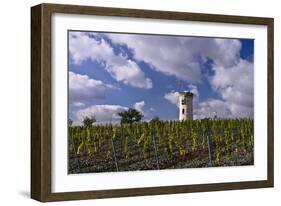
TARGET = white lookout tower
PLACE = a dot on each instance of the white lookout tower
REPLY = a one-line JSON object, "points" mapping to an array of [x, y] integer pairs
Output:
{"points": [[185, 105]]}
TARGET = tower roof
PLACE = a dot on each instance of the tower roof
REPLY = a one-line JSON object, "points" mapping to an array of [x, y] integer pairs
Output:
{"points": [[186, 94]]}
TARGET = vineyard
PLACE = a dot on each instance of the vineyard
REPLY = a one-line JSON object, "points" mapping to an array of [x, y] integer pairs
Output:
{"points": [[161, 145]]}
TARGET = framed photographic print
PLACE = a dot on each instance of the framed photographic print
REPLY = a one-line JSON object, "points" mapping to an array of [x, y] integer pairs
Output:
{"points": [[130, 102]]}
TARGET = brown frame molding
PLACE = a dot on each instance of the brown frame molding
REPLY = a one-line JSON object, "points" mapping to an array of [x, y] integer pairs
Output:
{"points": [[41, 101]]}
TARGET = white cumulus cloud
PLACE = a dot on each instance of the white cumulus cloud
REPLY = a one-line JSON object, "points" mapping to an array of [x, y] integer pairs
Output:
{"points": [[139, 106], [235, 84], [82, 89], [79, 104], [83, 47], [102, 113], [180, 56], [193, 88], [172, 97], [211, 108]]}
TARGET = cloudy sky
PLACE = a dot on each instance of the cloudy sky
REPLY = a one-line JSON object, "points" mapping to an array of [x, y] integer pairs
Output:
{"points": [[111, 72]]}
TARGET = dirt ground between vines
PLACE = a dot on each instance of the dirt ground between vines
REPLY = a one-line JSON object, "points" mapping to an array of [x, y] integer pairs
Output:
{"points": [[103, 161]]}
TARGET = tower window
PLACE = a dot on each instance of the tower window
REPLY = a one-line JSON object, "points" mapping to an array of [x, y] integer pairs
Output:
{"points": [[183, 102], [182, 111]]}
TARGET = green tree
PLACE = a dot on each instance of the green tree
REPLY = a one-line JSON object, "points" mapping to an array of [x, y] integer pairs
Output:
{"points": [[155, 119], [130, 116], [88, 121]]}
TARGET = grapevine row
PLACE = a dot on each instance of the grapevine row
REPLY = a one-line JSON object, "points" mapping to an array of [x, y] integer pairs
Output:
{"points": [[225, 138]]}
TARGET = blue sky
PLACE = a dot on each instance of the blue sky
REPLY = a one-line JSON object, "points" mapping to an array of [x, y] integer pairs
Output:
{"points": [[111, 72]]}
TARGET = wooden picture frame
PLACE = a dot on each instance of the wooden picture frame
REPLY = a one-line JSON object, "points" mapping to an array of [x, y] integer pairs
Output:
{"points": [[41, 95]]}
